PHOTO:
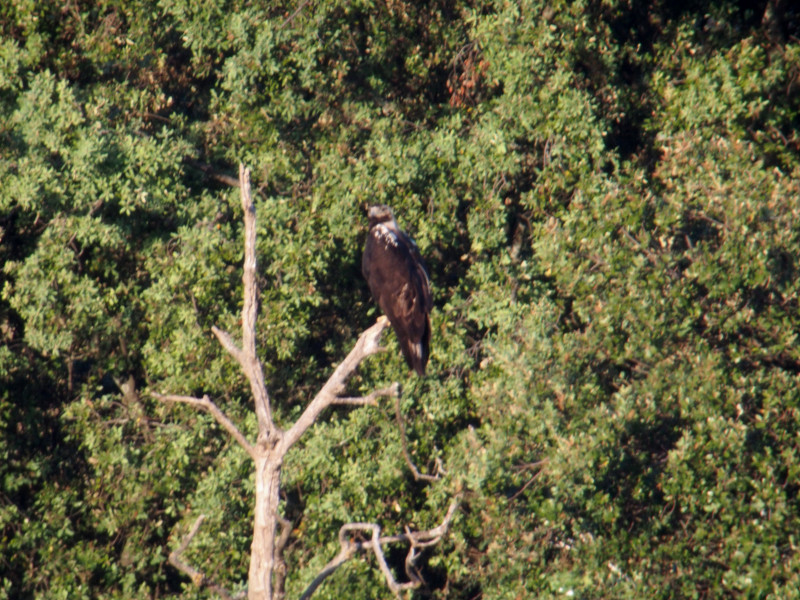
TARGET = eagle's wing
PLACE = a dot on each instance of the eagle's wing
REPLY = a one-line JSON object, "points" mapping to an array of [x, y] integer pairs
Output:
{"points": [[399, 282]]}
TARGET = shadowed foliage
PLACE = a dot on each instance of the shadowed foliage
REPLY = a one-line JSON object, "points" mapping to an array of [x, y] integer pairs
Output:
{"points": [[606, 197]]}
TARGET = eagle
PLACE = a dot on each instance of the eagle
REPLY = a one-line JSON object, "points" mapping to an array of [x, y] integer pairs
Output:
{"points": [[398, 280]]}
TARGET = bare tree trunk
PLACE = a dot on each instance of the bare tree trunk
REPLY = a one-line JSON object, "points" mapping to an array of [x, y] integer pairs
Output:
{"points": [[267, 571], [262, 551]]}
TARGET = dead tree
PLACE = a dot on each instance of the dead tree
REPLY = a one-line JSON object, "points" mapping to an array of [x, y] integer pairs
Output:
{"points": [[271, 531]]}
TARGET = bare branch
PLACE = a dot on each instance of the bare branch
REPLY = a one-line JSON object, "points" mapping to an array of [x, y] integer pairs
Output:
{"points": [[286, 530], [368, 343], [369, 400], [197, 577], [375, 545], [280, 563], [296, 12], [347, 552], [404, 441], [227, 342], [349, 548], [396, 587], [356, 401], [209, 171], [429, 536], [249, 360], [377, 549], [206, 404], [250, 306]]}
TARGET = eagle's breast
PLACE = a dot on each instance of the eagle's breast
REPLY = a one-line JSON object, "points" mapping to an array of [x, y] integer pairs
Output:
{"points": [[398, 280]]}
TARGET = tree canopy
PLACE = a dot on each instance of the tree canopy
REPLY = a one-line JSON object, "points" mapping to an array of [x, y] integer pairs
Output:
{"points": [[605, 193]]}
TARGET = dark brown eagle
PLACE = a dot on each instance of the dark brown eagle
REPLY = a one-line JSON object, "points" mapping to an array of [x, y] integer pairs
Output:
{"points": [[398, 280]]}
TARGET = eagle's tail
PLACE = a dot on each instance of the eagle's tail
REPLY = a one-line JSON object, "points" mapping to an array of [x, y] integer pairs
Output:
{"points": [[417, 352], [418, 355]]}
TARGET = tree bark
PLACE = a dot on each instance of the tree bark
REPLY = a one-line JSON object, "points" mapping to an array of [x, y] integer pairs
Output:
{"points": [[267, 572], [262, 550]]}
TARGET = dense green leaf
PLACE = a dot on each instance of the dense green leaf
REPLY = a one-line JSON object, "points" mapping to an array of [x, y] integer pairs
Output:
{"points": [[606, 194]]}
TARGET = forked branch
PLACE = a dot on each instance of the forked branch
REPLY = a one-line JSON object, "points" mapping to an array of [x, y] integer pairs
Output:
{"points": [[246, 355], [418, 475], [368, 344], [207, 404], [416, 539]]}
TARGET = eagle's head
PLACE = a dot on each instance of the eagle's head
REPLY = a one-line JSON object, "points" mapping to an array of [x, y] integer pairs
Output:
{"points": [[379, 213]]}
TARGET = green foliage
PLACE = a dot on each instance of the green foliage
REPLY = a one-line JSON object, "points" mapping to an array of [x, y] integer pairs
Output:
{"points": [[606, 195]]}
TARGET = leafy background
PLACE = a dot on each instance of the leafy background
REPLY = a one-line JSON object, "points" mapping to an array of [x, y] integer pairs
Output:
{"points": [[606, 193]]}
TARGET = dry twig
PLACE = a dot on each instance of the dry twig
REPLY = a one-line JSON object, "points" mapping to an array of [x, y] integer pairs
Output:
{"points": [[197, 577], [418, 475], [416, 539], [206, 404]]}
